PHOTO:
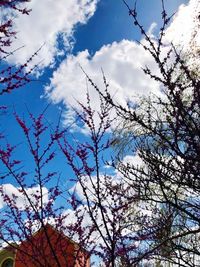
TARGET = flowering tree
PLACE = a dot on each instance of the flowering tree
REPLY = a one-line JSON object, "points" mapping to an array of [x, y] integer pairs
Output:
{"points": [[118, 231], [97, 192], [12, 77], [164, 133], [148, 213], [34, 202], [29, 194], [126, 214]]}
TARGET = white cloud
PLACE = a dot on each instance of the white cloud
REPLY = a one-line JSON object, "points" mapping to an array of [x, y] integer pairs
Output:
{"points": [[183, 31], [46, 21], [21, 201], [121, 63], [133, 160]]}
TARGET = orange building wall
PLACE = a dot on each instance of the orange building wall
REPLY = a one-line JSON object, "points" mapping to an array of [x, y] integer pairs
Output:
{"points": [[37, 251]]}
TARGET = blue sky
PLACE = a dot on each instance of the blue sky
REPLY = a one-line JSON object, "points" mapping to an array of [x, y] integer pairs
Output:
{"points": [[95, 34], [109, 23], [112, 23]]}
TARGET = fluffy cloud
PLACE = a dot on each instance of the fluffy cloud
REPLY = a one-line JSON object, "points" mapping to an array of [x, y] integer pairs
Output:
{"points": [[48, 21], [183, 31], [16, 195], [121, 63]]}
